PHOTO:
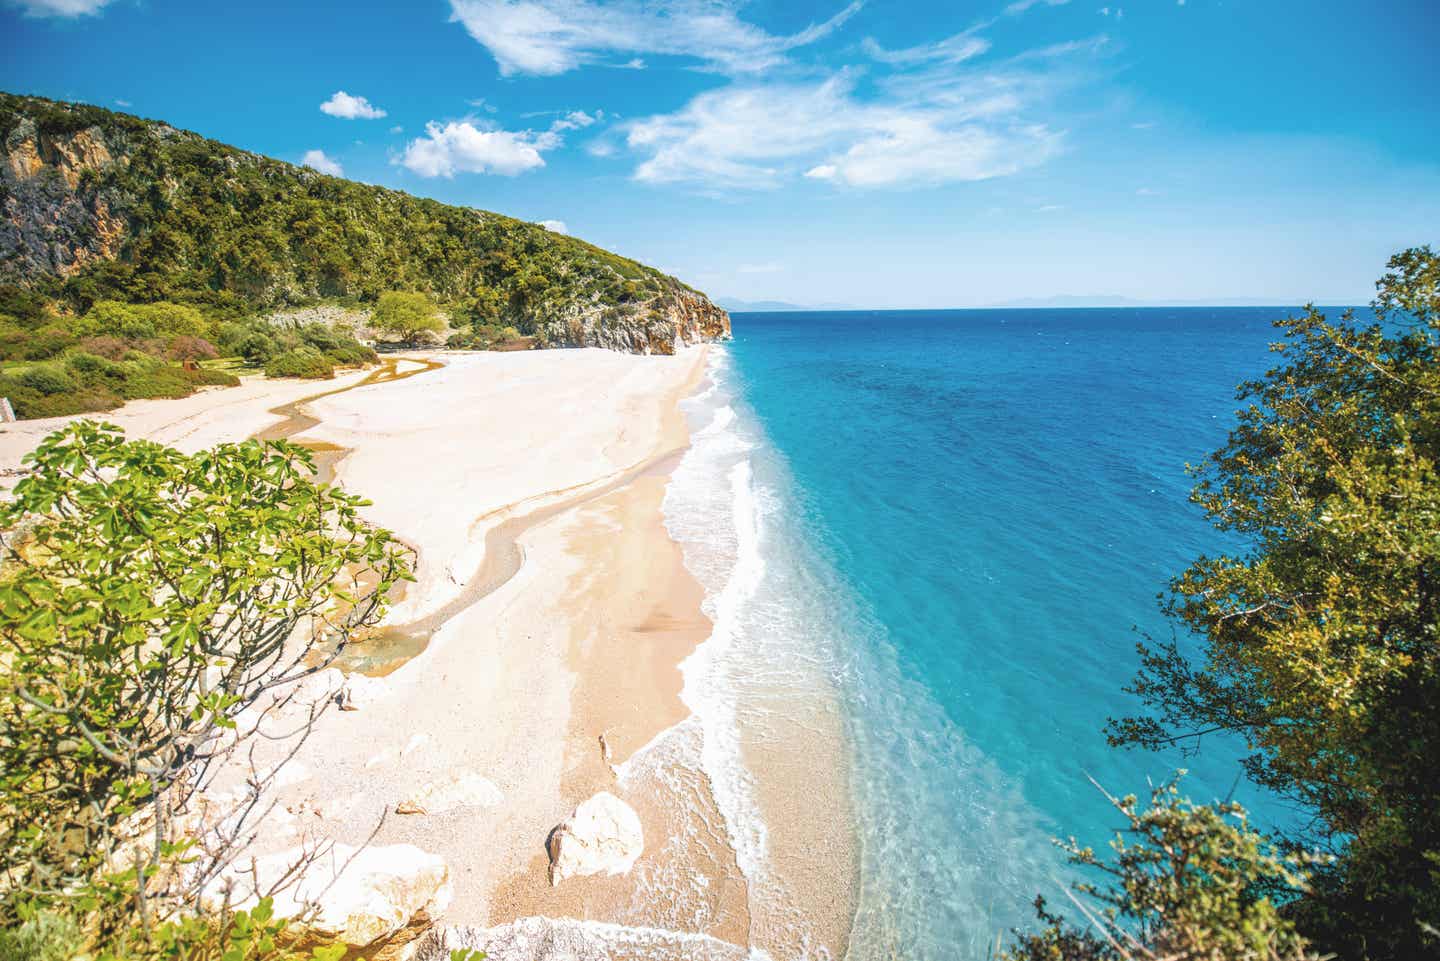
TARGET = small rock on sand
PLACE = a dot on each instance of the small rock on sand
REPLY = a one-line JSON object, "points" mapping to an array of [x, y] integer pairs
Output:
{"points": [[603, 835], [465, 790], [360, 691], [362, 896]]}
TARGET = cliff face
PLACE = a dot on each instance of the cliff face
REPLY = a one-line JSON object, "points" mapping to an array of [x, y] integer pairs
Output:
{"points": [[51, 226], [661, 326], [96, 204]]}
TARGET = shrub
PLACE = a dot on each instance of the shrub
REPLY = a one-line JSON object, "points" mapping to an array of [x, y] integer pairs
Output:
{"points": [[47, 342], [229, 336], [352, 355], [89, 368], [141, 383], [303, 362], [47, 379], [1187, 882], [188, 347], [44, 937], [112, 348], [202, 377], [257, 348]]}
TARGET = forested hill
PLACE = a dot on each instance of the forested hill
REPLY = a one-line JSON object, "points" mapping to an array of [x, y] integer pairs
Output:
{"points": [[100, 205]]}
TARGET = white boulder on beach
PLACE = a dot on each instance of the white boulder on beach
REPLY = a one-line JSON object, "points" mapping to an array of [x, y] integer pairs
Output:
{"points": [[602, 836]]}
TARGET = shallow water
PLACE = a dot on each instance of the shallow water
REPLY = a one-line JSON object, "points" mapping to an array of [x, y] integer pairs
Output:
{"points": [[959, 519]]}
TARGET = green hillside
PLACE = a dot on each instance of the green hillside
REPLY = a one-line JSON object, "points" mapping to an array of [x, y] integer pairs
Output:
{"points": [[104, 206]]}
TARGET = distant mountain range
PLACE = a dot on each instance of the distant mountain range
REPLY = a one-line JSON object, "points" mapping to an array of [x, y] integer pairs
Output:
{"points": [[1058, 301], [1115, 300], [760, 306]]}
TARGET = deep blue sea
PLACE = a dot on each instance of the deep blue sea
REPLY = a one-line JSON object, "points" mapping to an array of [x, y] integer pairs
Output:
{"points": [[987, 503]]}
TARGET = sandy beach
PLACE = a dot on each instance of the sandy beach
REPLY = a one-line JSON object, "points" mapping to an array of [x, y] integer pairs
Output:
{"points": [[550, 609]]}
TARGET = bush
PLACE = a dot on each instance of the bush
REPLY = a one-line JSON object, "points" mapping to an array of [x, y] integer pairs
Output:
{"points": [[187, 347], [352, 355], [44, 937], [257, 348], [89, 368], [47, 379], [303, 362], [29, 403], [1187, 882], [229, 336], [143, 384], [112, 348], [201, 377], [47, 342]]}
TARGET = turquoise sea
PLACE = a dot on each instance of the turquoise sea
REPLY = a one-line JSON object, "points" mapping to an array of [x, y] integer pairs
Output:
{"points": [[962, 518]]}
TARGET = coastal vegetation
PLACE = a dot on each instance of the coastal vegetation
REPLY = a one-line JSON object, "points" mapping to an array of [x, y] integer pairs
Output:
{"points": [[1319, 646], [406, 316], [110, 207], [53, 363], [155, 609]]}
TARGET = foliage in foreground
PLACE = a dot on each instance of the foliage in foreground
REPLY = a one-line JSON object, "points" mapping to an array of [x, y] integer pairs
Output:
{"points": [[1186, 882], [155, 609], [1322, 643]]}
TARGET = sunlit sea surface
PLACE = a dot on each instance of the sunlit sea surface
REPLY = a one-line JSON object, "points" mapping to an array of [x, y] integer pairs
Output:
{"points": [[963, 518]]}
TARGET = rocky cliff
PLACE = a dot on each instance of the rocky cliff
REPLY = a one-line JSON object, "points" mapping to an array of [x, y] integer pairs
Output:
{"points": [[96, 204]]}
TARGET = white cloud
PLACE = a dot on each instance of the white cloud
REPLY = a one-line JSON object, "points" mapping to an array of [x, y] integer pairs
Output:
{"points": [[1049, 208], [766, 268], [317, 160], [468, 146], [926, 127], [1020, 6], [577, 120], [548, 37], [61, 8], [462, 147], [956, 49], [341, 104], [123, 103], [555, 226], [397, 129]]}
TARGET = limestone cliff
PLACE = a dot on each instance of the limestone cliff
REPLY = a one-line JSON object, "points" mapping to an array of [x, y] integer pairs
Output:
{"points": [[97, 204]]}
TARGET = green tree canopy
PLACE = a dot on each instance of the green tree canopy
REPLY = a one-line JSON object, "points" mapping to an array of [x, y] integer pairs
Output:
{"points": [[147, 598], [406, 316], [1321, 643]]}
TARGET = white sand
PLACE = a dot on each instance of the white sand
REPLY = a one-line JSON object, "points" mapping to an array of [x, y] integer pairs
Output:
{"points": [[207, 417], [563, 454]]}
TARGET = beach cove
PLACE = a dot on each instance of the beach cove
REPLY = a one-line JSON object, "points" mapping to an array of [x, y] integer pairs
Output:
{"points": [[551, 647]]}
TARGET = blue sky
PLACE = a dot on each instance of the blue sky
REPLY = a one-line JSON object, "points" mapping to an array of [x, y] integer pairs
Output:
{"points": [[874, 153]]}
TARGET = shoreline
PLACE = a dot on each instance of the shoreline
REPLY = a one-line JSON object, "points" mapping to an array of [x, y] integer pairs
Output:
{"points": [[552, 606]]}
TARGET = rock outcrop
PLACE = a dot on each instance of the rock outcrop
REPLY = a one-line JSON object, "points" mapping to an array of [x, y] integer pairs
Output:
{"points": [[50, 225], [359, 897], [603, 836], [661, 326]]}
